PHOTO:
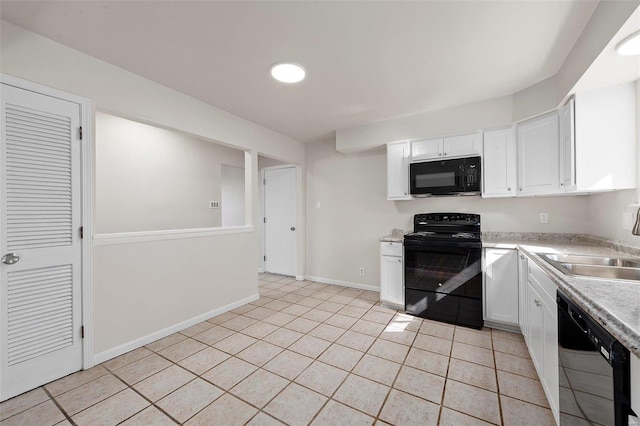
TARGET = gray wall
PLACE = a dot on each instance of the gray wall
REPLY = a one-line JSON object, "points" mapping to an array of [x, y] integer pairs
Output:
{"points": [[150, 179], [343, 233]]}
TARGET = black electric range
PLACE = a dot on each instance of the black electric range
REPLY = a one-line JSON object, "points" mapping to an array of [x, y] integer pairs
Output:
{"points": [[443, 268]]}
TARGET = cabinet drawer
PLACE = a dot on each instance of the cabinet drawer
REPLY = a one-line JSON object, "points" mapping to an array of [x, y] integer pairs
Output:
{"points": [[391, 249], [538, 276]]}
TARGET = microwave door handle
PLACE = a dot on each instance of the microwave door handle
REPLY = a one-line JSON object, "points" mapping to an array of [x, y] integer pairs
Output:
{"points": [[460, 177]]}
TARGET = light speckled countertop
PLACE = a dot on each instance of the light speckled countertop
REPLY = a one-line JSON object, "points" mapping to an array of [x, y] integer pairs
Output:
{"points": [[391, 239], [615, 304]]}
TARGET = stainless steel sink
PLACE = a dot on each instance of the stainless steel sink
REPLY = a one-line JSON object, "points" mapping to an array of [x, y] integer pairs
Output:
{"points": [[613, 272], [595, 266], [592, 260]]}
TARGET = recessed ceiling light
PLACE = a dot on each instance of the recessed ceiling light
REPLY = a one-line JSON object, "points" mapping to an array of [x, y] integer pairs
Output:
{"points": [[630, 45], [288, 73]]}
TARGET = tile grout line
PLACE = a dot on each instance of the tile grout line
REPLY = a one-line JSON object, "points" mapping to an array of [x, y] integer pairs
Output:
{"points": [[152, 404], [64, 412], [373, 307]]}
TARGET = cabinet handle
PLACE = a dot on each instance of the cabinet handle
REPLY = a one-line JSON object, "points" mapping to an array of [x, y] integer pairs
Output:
{"points": [[561, 183], [399, 260], [508, 189], [537, 302], [444, 153], [440, 154], [520, 189]]}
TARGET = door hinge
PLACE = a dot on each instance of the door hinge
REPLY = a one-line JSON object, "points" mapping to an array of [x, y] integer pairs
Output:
{"points": [[265, 258], [82, 332], [264, 219], [81, 232], [80, 132], [264, 181]]}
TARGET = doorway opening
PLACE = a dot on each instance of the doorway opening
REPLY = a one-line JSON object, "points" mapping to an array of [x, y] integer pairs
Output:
{"points": [[279, 217]]}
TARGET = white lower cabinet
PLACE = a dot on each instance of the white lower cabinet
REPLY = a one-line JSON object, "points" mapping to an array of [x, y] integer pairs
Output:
{"points": [[501, 286], [541, 325], [391, 274], [523, 274]]}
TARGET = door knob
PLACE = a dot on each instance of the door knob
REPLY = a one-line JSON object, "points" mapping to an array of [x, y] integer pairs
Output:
{"points": [[10, 258], [293, 228]]}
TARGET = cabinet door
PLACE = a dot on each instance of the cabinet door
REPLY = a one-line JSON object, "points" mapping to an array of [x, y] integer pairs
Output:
{"points": [[536, 329], [431, 148], [538, 152], [499, 170], [522, 294], [463, 145], [391, 285], [567, 147], [501, 285], [550, 343], [398, 171]]}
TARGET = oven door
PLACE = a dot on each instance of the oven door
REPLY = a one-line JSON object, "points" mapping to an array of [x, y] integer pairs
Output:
{"points": [[437, 177], [448, 270], [444, 283]]}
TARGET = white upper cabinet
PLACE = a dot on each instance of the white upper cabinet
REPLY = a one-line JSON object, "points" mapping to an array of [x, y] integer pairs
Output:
{"points": [[538, 152], [425, 149], [398, 154], [567, 147], [464, 145], [601, 151], [449, 147], [499, 177]]}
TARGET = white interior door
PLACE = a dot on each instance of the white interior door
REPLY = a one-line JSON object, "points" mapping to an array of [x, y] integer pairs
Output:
{"points": [[280, 220], [40, 295]]}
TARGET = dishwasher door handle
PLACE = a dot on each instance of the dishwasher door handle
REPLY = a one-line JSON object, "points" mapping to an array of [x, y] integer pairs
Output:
{"points": [[578, 320]]}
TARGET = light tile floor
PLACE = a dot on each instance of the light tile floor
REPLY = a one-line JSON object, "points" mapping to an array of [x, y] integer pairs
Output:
{"points": [[304, 353]]}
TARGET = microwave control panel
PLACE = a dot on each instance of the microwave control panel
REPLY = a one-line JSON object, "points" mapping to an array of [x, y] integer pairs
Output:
{"points": [[472, 175]]}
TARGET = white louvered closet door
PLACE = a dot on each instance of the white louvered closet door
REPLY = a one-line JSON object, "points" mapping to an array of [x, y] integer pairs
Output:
{"points": [[40, 213]]}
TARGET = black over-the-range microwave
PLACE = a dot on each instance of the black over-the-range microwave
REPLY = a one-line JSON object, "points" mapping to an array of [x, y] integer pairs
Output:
{"points": [[460, 176]]}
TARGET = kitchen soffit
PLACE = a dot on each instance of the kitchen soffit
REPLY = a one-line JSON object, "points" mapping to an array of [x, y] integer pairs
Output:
{"points": [[366, 61]]}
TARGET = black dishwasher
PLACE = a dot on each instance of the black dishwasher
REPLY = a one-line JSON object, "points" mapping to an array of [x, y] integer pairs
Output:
{"points": [[593, 370]]}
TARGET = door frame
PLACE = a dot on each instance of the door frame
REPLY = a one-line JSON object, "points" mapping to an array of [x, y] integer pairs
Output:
{"points": [[263, 235], [86, 202]]}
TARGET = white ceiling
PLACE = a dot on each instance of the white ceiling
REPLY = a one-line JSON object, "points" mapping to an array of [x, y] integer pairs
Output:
{"points": [[365, 61]]}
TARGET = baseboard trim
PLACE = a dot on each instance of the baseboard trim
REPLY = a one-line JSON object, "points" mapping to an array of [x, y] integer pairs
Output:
{"points": [[343, 283], [135, 344], [299, 277]]}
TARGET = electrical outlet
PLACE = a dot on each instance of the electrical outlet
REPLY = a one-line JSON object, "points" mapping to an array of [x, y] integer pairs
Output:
{"points": [[214, 204], [362, 271], [317, 204], [627, 221], [544, 217]]}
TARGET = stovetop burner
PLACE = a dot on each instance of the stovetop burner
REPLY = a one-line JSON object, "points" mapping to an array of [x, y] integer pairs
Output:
{"points": [[445, 226]]}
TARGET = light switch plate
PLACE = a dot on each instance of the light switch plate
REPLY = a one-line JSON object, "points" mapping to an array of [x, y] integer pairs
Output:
{"points": [[627, 221]]}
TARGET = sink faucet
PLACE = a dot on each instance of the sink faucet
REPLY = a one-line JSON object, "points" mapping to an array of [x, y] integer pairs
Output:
{"points": [[636, 227]]}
